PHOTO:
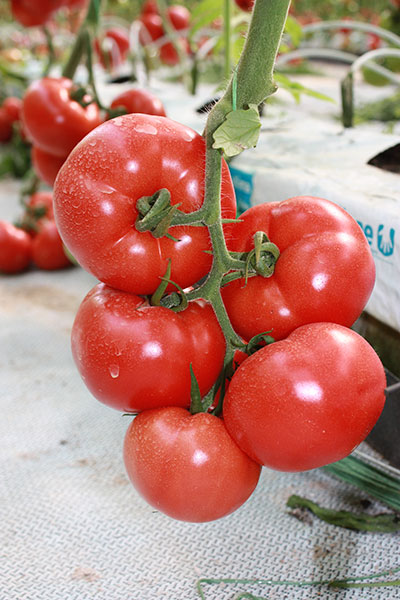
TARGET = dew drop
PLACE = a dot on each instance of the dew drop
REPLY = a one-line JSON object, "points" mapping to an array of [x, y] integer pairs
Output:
{"points": [[114, 371]]}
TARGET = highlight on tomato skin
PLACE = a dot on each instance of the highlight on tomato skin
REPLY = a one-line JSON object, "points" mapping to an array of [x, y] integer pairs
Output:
{"points": [[188, 466], [308, 400]]}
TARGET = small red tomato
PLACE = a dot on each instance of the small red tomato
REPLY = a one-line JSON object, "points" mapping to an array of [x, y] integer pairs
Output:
{"points": [[46, 165], [15, 248], [150, 7], [53, 121], [179, 16], [139, 101], [169, 54], [246, 5], [13, 107], [133, 356], [118, 40], [33, 13], [187, 466], [43, 202], [308, 400], [151, 28], [47, 248], [6, 129]]}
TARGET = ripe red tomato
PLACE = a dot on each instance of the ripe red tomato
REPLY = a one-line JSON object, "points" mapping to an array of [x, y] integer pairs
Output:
{"points": [[179, 16], [96, 192], [139, 101], [246, 5], [47, 248], [13, 106], [169, 54], [150, 7], [151, 28], [308, 400], [187, 466], [53, 121], [325, 271], [42, 201], [114, 56], [32, 14], [46, 165], [15, 248], [6, 129], [133, 356]]}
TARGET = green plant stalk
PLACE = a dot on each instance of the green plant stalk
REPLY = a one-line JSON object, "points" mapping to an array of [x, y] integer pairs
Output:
{"points": [[50, 46], [253, 83], [80, 46]]}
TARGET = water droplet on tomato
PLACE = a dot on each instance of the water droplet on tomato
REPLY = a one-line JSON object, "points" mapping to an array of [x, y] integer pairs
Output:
{"points": [[114, 371]]}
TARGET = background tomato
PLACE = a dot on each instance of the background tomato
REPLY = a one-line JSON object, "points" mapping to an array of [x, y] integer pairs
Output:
{"points": [[139, 101], [15, 248], [13, 106], [306, 401], [53, 121], [118, 39], [133, 356], [187, 466], [6, 129], [31, 13], [47, 248], [325, 271], [96, 192], [246, 5], [46, 165]]}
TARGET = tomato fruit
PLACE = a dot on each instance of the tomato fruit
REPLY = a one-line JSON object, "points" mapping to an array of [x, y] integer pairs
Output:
{"points": [[13, 106], [151, 28], [325, 271], [118, 39], [15, 248], [246, 5], [96, 192], [32, 14], [53, 121], [187, 466], [46, 165], [133, 356], [6, 129], [308, 400], [179, 16], [47, 248], [139, 101], [150, 7], [43, 202]]}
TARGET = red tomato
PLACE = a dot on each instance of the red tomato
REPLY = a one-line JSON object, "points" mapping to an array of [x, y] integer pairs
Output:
{"points": [[168, 53], [325, 271], [179, 16], [114, 56], [44, 202], [246, 5], [32, 13], [133, 356], [15, 248], [306, 401], [53, 121], [47, 248], [150, 7], [13, 107], [46, 165], [6, 129], [96, 192], [139, 101], [151, 29], [187, 466]]}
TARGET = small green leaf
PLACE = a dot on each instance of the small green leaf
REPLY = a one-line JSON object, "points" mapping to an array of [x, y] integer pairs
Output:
{"points": [[296, 89], [239, 131], [294, 30]]}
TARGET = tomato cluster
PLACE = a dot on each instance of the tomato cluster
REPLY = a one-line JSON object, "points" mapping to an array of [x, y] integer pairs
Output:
{"points": [[302, 401], [35, 240], [152, 29]]}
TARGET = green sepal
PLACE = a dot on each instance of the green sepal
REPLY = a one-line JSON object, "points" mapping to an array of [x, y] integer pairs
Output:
{"points": [[196, 405], [239, 131]]}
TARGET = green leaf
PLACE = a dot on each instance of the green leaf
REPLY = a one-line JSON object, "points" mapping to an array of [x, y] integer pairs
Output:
{"points": [[239, 131], [205, 13], [296, 89], [382, 523], [294, 30]]}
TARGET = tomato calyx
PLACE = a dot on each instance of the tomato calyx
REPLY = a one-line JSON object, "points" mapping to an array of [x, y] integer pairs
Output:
{"points": [[176, 301], [156, 213], [256, 343]]}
